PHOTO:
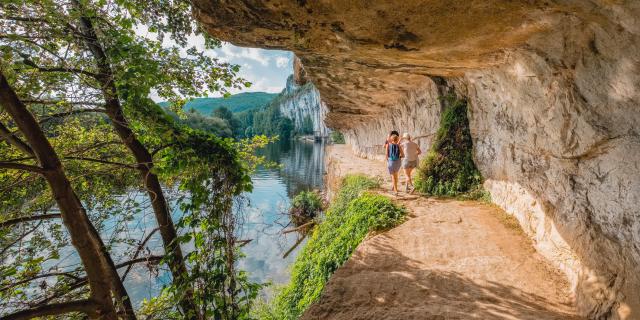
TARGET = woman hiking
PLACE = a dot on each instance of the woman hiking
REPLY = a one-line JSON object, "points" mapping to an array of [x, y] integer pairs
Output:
{"points": [[394, 154]]}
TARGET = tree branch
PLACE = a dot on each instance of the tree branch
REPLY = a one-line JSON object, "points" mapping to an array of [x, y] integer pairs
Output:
{"points": [[11, 138], [40, 276], [87, 306], [22, 236], [83, 280], [29, 62], [23, 19], [138, 260], [102, 161], [20, 166], [11, 222], [140, 247], [49, 102], [69, 113]]}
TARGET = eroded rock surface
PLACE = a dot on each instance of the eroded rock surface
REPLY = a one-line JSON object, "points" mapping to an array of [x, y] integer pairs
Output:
{"points": [[554, 93]]}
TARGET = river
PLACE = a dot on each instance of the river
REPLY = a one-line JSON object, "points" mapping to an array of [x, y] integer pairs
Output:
{"points": [[301, 167]]}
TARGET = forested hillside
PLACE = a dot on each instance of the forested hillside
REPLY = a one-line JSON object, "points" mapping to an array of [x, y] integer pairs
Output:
{"points": [[235, 103]]}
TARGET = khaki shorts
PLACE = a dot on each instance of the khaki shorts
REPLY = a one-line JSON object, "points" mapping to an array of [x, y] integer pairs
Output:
{"points": [[406, 164]]}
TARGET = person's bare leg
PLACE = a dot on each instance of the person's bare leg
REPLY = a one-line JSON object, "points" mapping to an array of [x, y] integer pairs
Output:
{"points": [[394, 179], [407, 172]]}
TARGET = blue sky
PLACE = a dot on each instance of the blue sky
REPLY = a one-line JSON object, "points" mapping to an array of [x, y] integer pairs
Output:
{"points": [[267, 70]]}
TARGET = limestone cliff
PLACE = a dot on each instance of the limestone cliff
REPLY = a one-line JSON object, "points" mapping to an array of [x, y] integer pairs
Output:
{"points": [[299, 102], [553, 89]]}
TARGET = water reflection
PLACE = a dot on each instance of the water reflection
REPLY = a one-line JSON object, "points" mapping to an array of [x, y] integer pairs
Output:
{"points": [[302, 168], [263, 218]]}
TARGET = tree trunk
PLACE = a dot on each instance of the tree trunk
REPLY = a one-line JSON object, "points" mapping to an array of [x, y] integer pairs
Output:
{"points": [[84, 236], [144, 161]]}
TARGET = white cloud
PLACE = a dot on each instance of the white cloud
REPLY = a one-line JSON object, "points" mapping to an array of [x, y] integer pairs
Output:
{"points": [[254, 54], [282, 62], [263, 86], [229, 51]]}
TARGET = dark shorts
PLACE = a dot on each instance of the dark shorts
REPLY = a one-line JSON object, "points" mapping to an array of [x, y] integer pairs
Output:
{"points": [[393, 166]]}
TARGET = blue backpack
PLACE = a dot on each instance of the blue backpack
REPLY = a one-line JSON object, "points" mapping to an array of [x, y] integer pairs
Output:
{"points": [[394, 152]]}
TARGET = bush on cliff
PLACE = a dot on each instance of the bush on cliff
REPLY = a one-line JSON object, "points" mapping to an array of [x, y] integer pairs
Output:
{"points": [[305, 205], [337, 137], [352, 215], [448, 168]]}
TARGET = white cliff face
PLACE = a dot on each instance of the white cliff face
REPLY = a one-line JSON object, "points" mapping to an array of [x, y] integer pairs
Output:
{"points": [[417, 114], [298, 102]]}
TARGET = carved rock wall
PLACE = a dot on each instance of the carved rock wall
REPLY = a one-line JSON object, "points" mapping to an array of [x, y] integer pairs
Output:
{"points": [[554, 95]]}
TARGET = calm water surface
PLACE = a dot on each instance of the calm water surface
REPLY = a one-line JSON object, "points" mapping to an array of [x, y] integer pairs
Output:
{"points": [[263, 218], [301, 168]]}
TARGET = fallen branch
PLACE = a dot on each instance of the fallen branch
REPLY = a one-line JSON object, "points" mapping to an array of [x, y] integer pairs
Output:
{"points": [[286, 254], [312, 222]]}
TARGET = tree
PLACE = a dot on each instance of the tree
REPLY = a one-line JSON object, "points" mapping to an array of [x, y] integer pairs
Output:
{"points": [[81, 58], [307, 125], [231, 120], [101, 272], [213, 125]]}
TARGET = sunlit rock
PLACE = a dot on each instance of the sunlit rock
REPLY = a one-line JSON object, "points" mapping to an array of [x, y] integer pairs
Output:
{"points": [[553, 90]]}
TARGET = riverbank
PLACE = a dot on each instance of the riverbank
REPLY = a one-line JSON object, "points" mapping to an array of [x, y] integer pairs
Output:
{"points": [[449, 260]]}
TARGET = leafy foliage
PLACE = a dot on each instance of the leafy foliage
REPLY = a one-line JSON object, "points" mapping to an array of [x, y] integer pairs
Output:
{"points": [[47, 60], [337, 137], [448, 168], [266, 121], [352, 215], [213, 125], [306, 204], [307, 125]]}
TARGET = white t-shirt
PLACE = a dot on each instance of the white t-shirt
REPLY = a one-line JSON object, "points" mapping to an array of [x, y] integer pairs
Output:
{"points": [[410, 149]]}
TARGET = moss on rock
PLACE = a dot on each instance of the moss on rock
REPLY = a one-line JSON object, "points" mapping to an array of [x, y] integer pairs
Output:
{"points": [[448, 169]]}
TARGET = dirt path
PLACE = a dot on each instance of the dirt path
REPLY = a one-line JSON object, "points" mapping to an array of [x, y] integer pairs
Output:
{"points": [[450, 260]]}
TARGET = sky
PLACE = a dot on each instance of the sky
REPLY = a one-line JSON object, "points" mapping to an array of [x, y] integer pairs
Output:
{"points": [[267, 70]]}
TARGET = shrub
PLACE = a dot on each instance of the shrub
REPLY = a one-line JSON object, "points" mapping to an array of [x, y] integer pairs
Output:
{"points": [[448, 168], [351, 216], [337, 137], [306, 205]]}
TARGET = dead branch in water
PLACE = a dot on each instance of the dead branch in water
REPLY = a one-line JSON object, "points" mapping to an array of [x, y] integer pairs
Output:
{"points": [[310, 223], [294, 247]]}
